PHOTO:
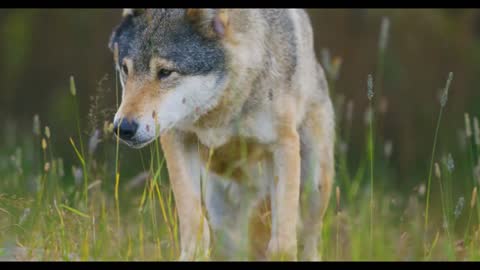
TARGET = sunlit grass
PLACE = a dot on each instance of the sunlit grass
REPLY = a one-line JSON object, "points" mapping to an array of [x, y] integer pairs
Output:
{"points": [[55, 222], [94, 212]]}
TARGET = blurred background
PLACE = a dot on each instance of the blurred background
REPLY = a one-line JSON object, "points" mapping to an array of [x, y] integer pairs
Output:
{"points": [[40, 49]]}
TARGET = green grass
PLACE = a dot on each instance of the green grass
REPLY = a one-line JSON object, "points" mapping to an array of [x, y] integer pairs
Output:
{"points": [[94, 211]]}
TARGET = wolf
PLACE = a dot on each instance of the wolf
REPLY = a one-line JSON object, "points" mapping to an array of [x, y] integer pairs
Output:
{"points": [[242, 109]]}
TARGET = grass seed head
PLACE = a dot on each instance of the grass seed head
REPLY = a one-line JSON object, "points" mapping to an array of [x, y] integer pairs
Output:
{"points": [[438, 173], [61, 171], [337, 193], [46, 167], [47, 132], [335, 68], [444, 97], [44, 144], [115, 53], [468, 128], [73, 88], [421, 189], [370, 92], [384, 29], [477, 172], [474, 197], [36, 125], [476, 130]]}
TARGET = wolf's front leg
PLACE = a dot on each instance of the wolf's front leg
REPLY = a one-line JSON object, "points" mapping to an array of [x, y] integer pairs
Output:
{"points": [[285, 189], [194, 230]]}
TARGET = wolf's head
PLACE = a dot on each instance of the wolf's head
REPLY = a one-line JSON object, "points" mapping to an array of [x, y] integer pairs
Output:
{"points": [[172, 66]]}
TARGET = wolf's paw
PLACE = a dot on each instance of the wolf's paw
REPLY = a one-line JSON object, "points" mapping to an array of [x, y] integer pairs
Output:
{"points": [[185, 256], [281, 250], [308, 255], [308, 251]]}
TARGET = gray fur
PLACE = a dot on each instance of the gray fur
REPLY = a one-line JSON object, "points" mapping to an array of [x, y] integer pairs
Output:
{"points": [[167, 34]]}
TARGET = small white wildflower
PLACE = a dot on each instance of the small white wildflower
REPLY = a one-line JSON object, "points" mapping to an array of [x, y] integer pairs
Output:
{"points": [[450, 163], [77, 175], [138, 180], [24, 216], [93, 142], [107, 129], [459, 207], [370, 92], [445, 223], [421, 190]]}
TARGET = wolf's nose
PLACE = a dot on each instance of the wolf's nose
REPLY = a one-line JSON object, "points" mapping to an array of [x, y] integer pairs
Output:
{"points": [[126, 129]]}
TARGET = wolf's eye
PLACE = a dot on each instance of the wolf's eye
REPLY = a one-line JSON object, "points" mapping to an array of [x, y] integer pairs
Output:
{"points": [[125, 69], [163, 73]]}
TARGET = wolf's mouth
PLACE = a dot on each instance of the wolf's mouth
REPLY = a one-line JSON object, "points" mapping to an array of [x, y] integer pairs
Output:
{"points": [[135, 143]]}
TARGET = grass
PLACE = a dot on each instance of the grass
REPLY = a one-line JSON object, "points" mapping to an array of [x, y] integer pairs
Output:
{"points": [[443, 103], [96, 212]]}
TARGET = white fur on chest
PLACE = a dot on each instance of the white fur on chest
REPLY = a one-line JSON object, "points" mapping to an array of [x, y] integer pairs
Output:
{"points": [[258, 126]]}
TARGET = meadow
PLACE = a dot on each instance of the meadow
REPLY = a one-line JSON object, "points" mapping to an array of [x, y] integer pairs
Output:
{"points": [[95, 210]]}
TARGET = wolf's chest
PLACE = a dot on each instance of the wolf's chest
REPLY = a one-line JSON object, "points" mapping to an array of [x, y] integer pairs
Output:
{"points": [[239, 150], [258, 127], [239, 159]]}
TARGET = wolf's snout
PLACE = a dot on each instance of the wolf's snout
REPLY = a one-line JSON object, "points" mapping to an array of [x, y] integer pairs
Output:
{"points": [[126, 129]]}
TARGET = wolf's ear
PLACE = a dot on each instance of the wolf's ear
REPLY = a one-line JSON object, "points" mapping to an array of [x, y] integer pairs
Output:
{"points": [[120, 30], [125, 31], [132, 12], [213, 23]]}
